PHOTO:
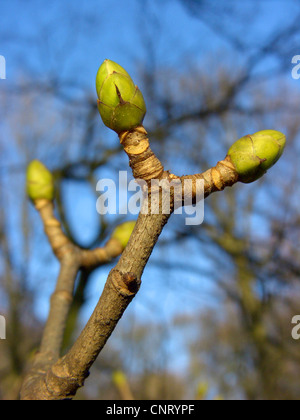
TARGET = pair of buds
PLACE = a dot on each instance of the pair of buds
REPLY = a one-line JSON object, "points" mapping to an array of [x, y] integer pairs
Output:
{"points": [[40, 186], [122, 108]]}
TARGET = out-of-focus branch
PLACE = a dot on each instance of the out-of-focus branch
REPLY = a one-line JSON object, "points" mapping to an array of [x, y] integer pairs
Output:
{"points": [[71, 258], [121, 383], [59, 308]]}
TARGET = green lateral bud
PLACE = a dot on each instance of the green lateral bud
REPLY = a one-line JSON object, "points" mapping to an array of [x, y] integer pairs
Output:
{"points": [[119, 378], [120, 102], [123, 232], [39, 182], [254, 154], [202, 390]]}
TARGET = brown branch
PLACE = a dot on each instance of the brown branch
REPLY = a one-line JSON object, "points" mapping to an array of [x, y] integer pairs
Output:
{"points": [[62, 246], [61, 301], [71, 258], [68, 374], [64, 377], [143, 162], [215, 179], [99, 256], [146, 166], [60, 243]]}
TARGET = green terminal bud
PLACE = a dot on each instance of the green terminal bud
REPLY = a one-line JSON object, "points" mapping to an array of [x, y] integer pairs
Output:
{"points": [[120, 102], [39, 182], [123, 232], [254, 154]]}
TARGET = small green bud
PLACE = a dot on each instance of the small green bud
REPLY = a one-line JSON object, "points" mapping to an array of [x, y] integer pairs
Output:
{"points": [[119, 378], [120, 102], [202, 390], [123, 232], [39, 182], [254, 154]]}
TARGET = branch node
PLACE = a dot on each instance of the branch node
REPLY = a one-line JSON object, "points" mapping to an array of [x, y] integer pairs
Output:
{"points": [[127, 284], [145, 165], [217, 179]]}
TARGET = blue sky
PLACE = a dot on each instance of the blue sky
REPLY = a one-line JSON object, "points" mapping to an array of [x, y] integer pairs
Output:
{"points": [[117, 33]]}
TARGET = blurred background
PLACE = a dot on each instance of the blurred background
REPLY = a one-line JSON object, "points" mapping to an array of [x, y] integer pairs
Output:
{"points": [[213, 317]]}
